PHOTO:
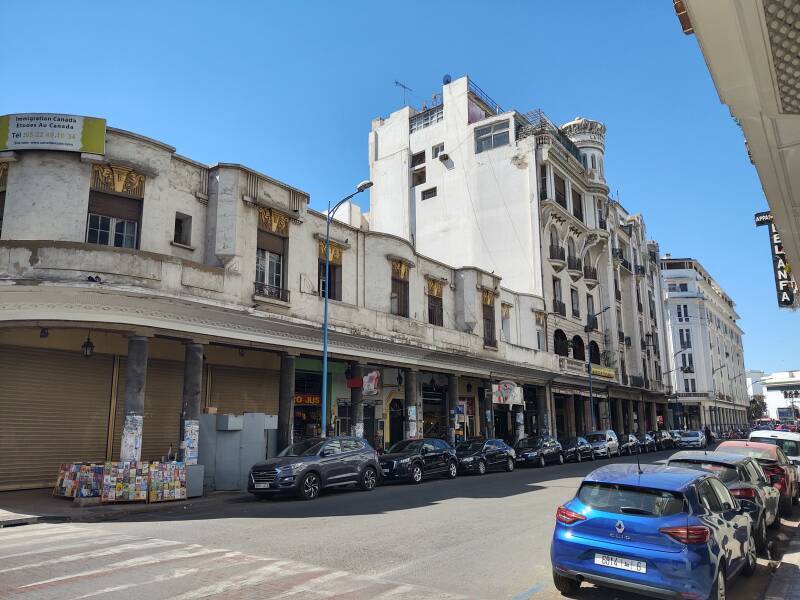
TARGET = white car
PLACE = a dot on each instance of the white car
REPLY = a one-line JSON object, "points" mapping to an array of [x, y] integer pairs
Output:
{"points": [[692, 439], [787, 441]]}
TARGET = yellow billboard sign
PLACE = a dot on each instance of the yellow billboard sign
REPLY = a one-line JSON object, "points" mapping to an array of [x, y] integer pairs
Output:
{"points": [[50, 131], [603, 372]]}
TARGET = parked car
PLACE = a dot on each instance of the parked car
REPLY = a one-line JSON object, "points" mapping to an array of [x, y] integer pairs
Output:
{"points": [[676, 436], [538, 451], [646, 442], [414, 460], [663, 439], [604, 443], [577, 449], [308, 467], [480, 456], [745, 480], [656, 531], [628, 444], [692, 439], [787, 441], [774, 462]]}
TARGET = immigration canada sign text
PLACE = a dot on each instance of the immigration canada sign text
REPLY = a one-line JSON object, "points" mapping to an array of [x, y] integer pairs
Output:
{"points": [[49, 131], [785, 285]]}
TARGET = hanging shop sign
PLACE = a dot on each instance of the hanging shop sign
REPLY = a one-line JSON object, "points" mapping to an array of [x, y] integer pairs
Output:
{"points": [[49, 131], [307, 400], [506, 392], [372, 384], [785, 285]]}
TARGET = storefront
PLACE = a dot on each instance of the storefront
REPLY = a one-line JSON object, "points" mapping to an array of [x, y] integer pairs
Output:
{"points": [[434, 406], [508, 404]]}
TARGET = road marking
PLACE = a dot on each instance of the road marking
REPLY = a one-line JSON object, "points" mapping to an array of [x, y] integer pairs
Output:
{"points": [[529, 593], [94, 541]]}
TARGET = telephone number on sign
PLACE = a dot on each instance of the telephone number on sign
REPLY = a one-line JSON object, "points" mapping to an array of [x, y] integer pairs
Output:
{"points": [[50, 135]]}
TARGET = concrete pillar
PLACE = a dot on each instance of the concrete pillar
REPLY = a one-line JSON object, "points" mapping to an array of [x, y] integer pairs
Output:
{"points": [[642, 414], [541, 411], [357, 403], [653, 417], [487, 414], [452, 403], [190, 411], [519, 422], [619, 427], [286, 402], [629, 405], [410, 402], [135, 381], [587, 415], [570, 422]]}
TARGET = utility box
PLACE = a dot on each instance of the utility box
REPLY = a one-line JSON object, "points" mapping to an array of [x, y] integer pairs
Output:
{"points": [[230, 422]]}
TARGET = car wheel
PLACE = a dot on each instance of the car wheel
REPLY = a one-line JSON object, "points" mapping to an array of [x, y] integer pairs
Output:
{"points": [[750, 563], [369, 479], [416, 473], [452, 470], [578, 456], [565, 585], [542, 462], [509, 464], [761, 536], [481, 467], [718, 590], [560, 458], [310, 486]]}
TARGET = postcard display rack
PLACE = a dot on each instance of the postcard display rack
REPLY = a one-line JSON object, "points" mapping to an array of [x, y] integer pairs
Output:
{"points": [[123, 481]]}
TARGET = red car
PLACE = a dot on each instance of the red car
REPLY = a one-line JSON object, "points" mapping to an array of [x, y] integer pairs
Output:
{"points": [[774, 462]]}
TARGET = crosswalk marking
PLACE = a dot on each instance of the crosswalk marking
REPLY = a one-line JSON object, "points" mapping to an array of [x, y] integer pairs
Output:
{"points": [[88, 562]]}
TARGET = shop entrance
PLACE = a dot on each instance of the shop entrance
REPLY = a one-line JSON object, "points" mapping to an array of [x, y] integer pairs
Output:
{"points": [[502, 427], [433, 419], [307, 405], [396, 421]]}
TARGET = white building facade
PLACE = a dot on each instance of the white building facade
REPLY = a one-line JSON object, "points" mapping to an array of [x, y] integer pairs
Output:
{"points": [[781, 392], [706, 343]]}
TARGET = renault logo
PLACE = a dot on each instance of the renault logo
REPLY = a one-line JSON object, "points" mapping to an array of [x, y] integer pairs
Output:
{"points": [[620, 527]]}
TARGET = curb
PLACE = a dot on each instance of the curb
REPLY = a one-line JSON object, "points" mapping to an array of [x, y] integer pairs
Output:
{"points": [[785, 582]]}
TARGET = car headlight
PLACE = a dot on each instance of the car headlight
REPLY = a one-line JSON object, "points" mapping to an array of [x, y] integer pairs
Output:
{"points": [[294, 468], [404, 461]]}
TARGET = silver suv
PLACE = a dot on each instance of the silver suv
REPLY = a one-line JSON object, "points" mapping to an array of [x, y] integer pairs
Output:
{"points": [[604, 443]]}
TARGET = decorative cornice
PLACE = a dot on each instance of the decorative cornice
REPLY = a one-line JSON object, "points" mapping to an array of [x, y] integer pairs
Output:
{"points": [[116, 179]]}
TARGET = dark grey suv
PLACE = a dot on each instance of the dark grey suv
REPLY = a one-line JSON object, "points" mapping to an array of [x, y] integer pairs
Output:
{"points": [[307, 467]]}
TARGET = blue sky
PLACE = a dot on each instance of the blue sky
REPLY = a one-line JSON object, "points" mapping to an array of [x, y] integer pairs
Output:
{"points": [[290, 88]]}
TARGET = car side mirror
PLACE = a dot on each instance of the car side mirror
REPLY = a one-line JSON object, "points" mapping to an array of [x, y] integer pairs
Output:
{"points": [[774, 479]]}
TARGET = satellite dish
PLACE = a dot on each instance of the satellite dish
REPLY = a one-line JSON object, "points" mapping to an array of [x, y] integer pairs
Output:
{"points": [[447, 79]]}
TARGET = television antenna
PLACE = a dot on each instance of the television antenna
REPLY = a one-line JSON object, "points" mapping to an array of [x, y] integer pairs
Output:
{"points": [[405, 88]]}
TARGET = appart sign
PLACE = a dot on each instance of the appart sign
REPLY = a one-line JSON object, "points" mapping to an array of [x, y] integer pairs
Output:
{"points": [[785, 285]]}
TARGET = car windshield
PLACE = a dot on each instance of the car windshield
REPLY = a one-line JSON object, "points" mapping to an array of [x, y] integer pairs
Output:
{"points": [[406, 446], [691, 434], [529, 443], [725, 472], [472, 446], [569, 442], [747, 451], [610, 497], [304, 448], [790, 447], [596, 437]]}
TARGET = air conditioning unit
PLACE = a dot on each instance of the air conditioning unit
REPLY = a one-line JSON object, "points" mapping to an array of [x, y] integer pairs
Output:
{"points": [[444, 157]]}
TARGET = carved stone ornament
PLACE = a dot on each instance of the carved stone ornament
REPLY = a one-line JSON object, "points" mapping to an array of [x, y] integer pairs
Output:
{"points": [[274, 221], [487, 296], [505, 311], [400, 270], [541, 318], [336, 252], [3, 176], [434, 287], [118, 180]]}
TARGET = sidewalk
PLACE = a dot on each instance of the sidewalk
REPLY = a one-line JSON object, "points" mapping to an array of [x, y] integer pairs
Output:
{"points": [[785, 582], [37, 506]]}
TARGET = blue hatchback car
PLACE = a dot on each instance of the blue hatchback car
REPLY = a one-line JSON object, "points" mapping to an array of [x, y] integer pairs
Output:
{"points": [[664, 532]]}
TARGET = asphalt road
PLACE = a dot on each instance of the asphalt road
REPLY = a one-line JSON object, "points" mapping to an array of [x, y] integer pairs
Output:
{"points": [[476, 537]]}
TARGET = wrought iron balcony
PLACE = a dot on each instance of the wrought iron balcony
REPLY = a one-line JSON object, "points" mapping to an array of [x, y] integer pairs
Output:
{"points": [[617, 294], [557, 253], [621, 336], [637, 381], [639, 270], [626, 263], [559, 308], [574, 263], [272, 291], [590, 273], [639, 307], [591, 323], [653, 256], [601, 223]]}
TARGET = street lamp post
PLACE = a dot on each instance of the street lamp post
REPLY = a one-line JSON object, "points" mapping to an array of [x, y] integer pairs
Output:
{"points": [[683, 370], [589, 364], [364, 185], [715, 420]]}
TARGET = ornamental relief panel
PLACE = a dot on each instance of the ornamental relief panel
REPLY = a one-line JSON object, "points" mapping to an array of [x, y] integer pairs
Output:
{"points": [[487, 296], [118, 180], [335, 254], [434, 287], [400, 270], [273, 221]]}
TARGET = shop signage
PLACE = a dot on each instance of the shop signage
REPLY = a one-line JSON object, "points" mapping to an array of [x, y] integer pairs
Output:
{"points": [[307, 400], [506, 392], [603, 372], [49, 131], [785, 285], [791, 393], [372, 384]]}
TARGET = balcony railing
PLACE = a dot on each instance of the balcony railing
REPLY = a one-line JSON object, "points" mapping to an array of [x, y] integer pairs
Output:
{"points": [[639, 307], [617, 294], [639, 270], [574, 263], [626, 264], [590, 272], [653, 256], [637, 381], [272, 291], [559, 308], [561, 199], [537, 123], [485, 98], [591, 323], [577, 211], [601, 223], [557, 253], [621, 336]]}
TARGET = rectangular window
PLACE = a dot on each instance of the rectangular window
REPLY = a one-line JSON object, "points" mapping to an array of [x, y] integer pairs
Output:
{"points": [[692, 384], [429, 193], [435, 311], [686, 385], [418, 177], [335, 276], [686, 312], [589, 304], [557, 288], [561, 190], [399, 297], [543, 182], [489, 338], [576, 303], [540, 339], [183, 229], [577, 205], [672, 287], [683, 287], [110, 231], [437, 150], [417, 159], [269, 270], [680, 314], [505, 322], [491, 136]]}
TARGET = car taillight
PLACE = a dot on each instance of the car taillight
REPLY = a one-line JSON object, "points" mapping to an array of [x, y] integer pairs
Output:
{"points": [[567, 516], [745, 493], [692, 534]]}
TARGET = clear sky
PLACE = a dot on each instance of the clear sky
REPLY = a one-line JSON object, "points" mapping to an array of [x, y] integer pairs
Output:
{"points": [[290, 88]]}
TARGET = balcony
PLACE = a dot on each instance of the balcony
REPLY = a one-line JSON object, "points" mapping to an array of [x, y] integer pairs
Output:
{"points": [[621, 336], [559, 307], [639, 307], [625, 263], [639, 270], [590, 276], [628, 342], [571, 365], [558, 258], [637, 381], [577, 211], [591, 323], [617, 294], [624, 379], [561, 199], [273, 292], [653, 256], [602, 223], [574, 267]]}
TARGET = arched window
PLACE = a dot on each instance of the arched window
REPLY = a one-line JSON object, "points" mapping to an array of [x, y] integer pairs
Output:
{"points": [[560, 345], [594, 353], [553, 237], [571, 248], [578, 351]]}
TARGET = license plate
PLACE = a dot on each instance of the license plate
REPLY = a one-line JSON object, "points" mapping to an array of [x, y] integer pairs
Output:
{"points": [[385, 471], [616, 562], [262, 486]]}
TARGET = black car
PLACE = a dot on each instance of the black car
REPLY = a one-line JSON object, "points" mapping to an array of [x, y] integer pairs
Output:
{"points": [[479, 456], [413, 460], [308, 467], [646, 442], [538, 451], [577, 449], [629, 444], [663, 439], [745, 480]]}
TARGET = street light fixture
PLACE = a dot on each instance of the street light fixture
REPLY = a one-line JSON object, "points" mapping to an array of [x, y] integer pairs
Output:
{"points": [[364, 185]]}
